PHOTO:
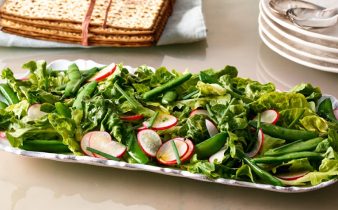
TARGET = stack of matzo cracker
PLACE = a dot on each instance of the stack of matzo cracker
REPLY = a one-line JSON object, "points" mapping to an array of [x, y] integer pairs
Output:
{"points": [[131, 23]]}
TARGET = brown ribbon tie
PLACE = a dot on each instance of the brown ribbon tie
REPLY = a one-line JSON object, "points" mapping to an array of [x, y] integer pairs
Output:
{"points": [[86, 21]]}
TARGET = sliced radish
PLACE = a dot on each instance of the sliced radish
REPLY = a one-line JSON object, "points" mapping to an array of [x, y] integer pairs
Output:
{"points": [[2, 134], [292, 175], [217, 157], [132, 117], [336, 113], [199, 111], [162, 122], [166, 154], [258, 145], [104, 73], [142, 128], [190, 151], [149, 141], [269, 116], [85, 143], [211, 127], [34, 112], [102, 141]]}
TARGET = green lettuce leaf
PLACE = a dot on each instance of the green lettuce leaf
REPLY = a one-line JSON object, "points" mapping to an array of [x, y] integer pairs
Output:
{"points": [[66, 127], [296, 165], [327, 170], [252, 89], [311, 93], [270, 143], [314, 123], [207, 89], [244, 172], [195, 129], [201, 167], [279, 101]]}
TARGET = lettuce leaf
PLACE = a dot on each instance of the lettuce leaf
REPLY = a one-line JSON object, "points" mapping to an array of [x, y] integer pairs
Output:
{"points": [[195, 129], [327, 170], [270, 143], [244, 172], [252, 89], [207, 89], [66, 127], [279, 101], [296, 165], [201, 167], [314, 123], [311, 93]]}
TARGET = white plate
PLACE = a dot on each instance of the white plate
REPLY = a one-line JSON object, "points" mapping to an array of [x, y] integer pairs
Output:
{"points": [[297, 48], [328, 34], [62, 65], [286, 53], [311, 43]]}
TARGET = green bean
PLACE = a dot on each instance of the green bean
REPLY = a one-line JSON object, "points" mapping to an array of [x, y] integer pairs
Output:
{"points": [[53, 146], [191, 94], [169, 96], [177, 155], [63, 110], [325, 110], [210, 146], [296, 146], [9, 94], [169, 85], [103, 154], [285, 133], [287, 157], [87, 91], [296, 119], [3, 105], [263, 175]]}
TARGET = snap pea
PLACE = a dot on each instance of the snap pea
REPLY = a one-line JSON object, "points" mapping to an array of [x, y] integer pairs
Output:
{"points": [[169, 85], [73, 72], [62, 109], [53, 146], [169, 96], [325, 110], [263, 175], [296, 146], [134, 150], [3, 105], [285, 133], [287, 157], [210, 146], [87, 91], [9, 94]]}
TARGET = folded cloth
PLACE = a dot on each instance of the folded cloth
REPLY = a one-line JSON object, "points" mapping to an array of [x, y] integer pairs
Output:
{"points": [[185, 25]]}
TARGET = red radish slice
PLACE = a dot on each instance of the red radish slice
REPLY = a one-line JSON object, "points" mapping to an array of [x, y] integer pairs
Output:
{"points": [[34, 112], [142, 128], [190, 151], [162, 122], [85, 143], [2, 134], [24, 76], [149, 141], [199, 111], [217, 157], [258, 145], [336, 113], [104, 73], [132, 117], [211, 127], [166, 154], [102, 141], [292, 175], [269, 116]]}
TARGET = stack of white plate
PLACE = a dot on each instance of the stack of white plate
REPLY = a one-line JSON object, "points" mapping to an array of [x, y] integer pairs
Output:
{"points": [[316, 48]]}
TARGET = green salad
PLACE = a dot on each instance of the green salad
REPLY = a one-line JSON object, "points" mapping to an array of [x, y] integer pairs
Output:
{"points": [[213, 123]]}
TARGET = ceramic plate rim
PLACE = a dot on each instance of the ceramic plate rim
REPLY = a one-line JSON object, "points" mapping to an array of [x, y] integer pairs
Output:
{"points": [[292, 27]]}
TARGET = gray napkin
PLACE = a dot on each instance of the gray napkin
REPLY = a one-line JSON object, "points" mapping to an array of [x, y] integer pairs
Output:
{"points": [[185, 25]]}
